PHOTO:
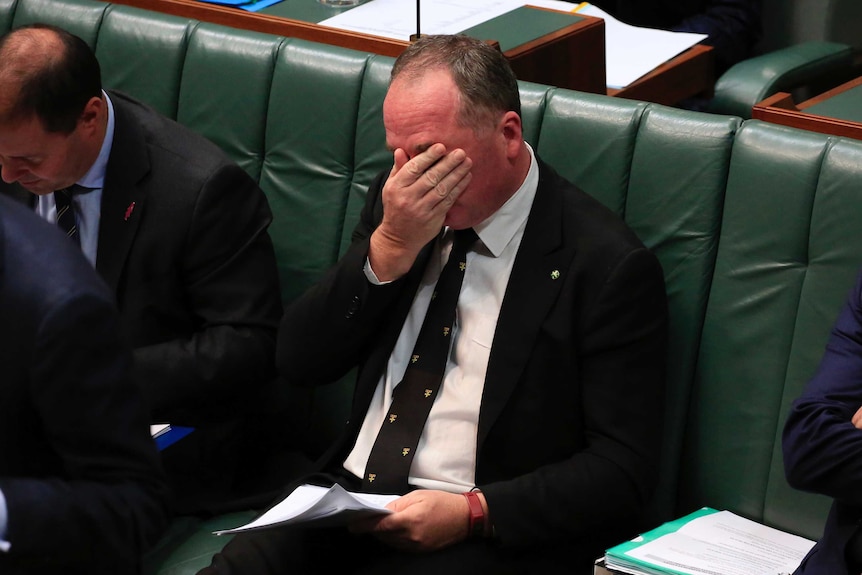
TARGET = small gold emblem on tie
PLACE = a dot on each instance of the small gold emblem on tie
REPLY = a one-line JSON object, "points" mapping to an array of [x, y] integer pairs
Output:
{"points": [[392, 417], [555, 275], [445, 331], [428, 393], [372, 477], [414, 359], [462, 266], [405, 451]]}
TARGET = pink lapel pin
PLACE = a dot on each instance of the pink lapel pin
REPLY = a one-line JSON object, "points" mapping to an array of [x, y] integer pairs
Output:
{"points": [[129, 211]]}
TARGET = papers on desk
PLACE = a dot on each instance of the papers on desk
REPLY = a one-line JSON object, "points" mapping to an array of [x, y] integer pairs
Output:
{"points": [[630, 51], [396, 19], [318, 506], [710, 541]]}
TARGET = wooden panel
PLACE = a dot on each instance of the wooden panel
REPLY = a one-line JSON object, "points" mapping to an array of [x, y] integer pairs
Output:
{"points": [[689, 74], [781, 109]]}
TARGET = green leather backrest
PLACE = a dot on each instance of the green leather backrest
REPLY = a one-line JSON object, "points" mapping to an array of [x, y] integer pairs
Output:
{"points": [[143, 54], [7, 11], [224, 90], [665, 171], [81, 17], [788, 254]]}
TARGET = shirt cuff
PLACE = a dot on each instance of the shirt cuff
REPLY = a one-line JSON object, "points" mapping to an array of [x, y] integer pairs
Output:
{"points": [[4, 545], [371, 276]]}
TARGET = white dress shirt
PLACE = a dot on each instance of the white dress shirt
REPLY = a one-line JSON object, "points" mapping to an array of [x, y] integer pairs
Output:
{"points": [[446, 455]]}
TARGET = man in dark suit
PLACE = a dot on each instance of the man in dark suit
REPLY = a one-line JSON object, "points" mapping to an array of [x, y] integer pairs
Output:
{"points": [[176, 229], [822, 444], [542, 443], [81, 487]]}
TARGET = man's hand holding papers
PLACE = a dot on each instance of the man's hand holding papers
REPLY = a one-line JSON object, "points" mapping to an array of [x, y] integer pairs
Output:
{"points": [[320, 507]]}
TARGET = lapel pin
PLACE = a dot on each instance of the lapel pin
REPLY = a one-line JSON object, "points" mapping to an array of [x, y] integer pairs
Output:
{"points": [[129, 211], [555, 275]]}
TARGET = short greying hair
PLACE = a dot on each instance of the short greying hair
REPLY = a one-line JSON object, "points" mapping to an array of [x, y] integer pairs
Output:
{"points": [[484, 78]]}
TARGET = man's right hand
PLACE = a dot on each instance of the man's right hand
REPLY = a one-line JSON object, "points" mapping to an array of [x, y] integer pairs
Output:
{"points": [[416, 197], [857, 418]]}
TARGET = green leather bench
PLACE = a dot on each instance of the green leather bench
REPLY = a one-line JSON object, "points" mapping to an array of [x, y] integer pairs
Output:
{"points": [[756, 226]]}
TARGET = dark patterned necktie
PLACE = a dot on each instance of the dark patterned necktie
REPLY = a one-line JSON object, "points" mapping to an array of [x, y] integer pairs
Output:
{"points": [[389, 463], [66, 218]]}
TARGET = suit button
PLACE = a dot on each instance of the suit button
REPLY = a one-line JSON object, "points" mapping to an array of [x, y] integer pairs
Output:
{"points": [[353, 307]]}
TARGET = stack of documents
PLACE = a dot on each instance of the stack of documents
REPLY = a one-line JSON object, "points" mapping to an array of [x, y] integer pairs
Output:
{"points": [[318, 507], [710, 541]]}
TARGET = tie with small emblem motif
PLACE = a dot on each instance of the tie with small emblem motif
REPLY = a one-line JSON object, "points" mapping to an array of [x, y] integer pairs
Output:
{"points": [[389, 463], [66, 218]]}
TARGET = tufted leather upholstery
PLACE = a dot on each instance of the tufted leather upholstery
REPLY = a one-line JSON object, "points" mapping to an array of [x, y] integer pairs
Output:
{"points": [[756, 226]]}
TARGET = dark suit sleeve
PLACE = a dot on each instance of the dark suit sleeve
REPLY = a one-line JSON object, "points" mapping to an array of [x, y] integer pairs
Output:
{"points": [[330, 328], [822, 448], [108, 506], [620, 359], [231, 293], [733, 27]]}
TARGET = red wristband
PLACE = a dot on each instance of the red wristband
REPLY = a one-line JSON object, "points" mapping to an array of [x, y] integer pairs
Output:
{"points": [[477, 514]]}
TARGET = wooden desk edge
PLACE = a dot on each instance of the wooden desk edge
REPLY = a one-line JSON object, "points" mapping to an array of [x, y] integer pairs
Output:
{"points": [[657, 86], [288, 27], [779, 109], [268, 24]]}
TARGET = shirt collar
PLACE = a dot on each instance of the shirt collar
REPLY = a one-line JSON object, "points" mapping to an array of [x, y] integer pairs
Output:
{"points": [[95, 176], [498, 230]]}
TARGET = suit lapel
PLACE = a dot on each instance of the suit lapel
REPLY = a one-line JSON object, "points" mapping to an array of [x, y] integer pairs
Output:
{"points": [[122, 197], [533, 288]]}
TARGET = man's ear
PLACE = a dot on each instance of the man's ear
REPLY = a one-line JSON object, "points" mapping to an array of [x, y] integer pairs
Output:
{"points": [[92, 115], [513, 133]]}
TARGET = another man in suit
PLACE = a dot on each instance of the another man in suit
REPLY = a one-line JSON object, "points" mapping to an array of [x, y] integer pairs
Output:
{"points": [[542, 443], [176, 229], [81, 487], [822, 444]]}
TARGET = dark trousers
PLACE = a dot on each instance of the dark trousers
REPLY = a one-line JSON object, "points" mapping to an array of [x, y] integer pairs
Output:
{"points": [[334, 550], [298, 551]]}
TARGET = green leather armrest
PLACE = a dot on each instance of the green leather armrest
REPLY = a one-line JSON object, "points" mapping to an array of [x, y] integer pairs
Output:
{"points": [[752, 80]]}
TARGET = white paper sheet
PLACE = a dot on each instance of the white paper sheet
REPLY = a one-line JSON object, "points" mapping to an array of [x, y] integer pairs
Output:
{"points": [[319, 505], [630, 51], [725, 543], [158, 429]]}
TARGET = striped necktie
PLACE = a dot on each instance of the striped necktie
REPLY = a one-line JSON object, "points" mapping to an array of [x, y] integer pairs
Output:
{"points": [[389, 463], [66, 218]]}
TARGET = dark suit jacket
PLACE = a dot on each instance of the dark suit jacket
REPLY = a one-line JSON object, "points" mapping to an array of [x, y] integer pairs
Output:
{"points": [[570, 420], [183, 245], [80, 473], [822, 448]]}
